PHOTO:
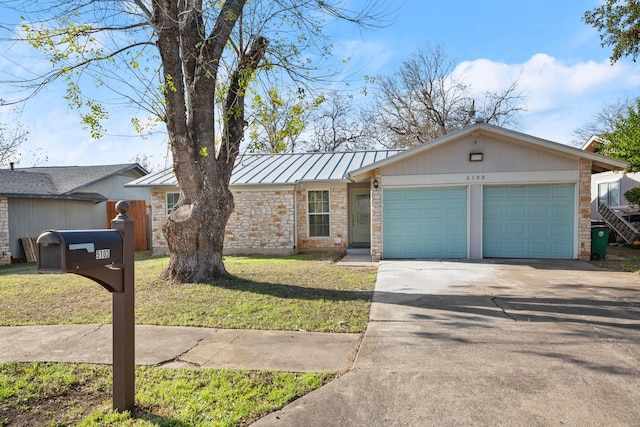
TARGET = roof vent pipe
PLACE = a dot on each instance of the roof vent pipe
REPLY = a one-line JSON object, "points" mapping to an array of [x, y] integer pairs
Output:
{"points": [[12, 165]]}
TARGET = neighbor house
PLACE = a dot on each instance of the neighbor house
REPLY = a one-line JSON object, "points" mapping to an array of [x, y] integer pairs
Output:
{"points": [[483, 191], [609, 187], [67, 197]]}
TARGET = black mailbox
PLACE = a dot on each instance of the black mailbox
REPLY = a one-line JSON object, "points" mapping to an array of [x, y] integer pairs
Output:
{"points": [[108, 258], [74, 250]]}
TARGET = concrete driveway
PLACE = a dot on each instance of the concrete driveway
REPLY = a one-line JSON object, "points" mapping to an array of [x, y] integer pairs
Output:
{"points": [[489, 343]]}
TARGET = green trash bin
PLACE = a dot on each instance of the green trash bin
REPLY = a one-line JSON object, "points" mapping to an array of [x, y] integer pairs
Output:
{"points": [[599, 241]]}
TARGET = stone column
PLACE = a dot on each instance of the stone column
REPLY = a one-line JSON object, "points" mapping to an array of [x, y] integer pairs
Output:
{"points": [[376, 216], [584, 210]]}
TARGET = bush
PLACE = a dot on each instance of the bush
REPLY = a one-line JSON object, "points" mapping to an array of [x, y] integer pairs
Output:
{"points": [[633, 196]]}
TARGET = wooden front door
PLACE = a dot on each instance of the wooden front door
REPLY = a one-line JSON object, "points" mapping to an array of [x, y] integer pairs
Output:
{"points": [[360, 218]]}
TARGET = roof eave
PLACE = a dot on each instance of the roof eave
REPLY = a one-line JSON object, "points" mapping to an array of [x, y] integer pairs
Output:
{"points": [[300, 181], [126, 168], [78, 197], [152, 185]]}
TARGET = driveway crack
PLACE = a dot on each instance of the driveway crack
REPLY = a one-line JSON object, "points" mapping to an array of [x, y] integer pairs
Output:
{"points": [[495, 302]]}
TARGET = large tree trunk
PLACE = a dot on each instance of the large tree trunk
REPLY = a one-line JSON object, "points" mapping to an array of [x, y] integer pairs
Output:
{"points": [[195, 235]]}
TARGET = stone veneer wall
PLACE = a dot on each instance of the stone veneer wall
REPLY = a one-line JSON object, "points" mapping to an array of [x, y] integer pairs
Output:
{"points": [[584, 210], [376, 217], [262, 222], [5, 254], [339, 225]]}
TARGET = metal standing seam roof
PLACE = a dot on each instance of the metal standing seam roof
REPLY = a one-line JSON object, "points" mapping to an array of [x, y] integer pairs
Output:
{"points": [[289, 168]]}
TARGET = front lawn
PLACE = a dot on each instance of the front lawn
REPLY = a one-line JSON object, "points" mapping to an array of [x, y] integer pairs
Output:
{"points": [[303, 292], [287, 293]]}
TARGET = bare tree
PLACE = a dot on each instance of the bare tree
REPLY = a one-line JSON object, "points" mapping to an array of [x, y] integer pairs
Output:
{"points": [[425, 100], [12, 136], [190, 63], [603, 122], [337, 126]]}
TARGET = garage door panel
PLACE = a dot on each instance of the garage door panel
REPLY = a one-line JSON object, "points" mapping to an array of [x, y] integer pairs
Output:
{"points": [[539, 249], [515, 247], [413, 194], [562, 211], [537, 211], [560, 248], [562, 192], [458, 232], [457, 212], [514, 192], [434, 213], [528, 221], [561, 230], [513, 210], [538, 229], [514, 229], [538, 192], [410, 213], [425, 223]]}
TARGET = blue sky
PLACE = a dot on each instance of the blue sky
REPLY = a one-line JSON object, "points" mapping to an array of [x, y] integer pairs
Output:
{"points": [[564, 71]]}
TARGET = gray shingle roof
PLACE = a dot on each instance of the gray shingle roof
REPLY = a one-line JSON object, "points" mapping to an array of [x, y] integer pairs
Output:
{"points": [[283, 168], [60, 182]]}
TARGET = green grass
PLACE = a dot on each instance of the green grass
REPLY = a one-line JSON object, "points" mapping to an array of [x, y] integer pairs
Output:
{"points": [[286, 293], [57, 394], [301, 292]]}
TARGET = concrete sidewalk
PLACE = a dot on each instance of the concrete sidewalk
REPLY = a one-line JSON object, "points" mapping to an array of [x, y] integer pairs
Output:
{"points": [[175, 347]]}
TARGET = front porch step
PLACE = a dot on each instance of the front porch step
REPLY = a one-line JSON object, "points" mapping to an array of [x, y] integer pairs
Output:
{"points": [[359, 251]]}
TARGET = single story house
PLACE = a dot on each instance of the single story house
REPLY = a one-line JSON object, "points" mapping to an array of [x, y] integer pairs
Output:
{"points": [[483, 191], [66, 197]]}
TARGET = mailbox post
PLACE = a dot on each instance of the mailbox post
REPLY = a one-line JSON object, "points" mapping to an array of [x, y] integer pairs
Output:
{"points": [[107, 257], [123, 314]]}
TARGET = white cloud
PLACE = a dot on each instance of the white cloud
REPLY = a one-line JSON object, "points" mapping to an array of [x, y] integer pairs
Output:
{"points": [[561, 96], [370, 57]]}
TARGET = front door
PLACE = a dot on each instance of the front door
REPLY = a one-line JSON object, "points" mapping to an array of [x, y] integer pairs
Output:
{"points": [[360, 218]]}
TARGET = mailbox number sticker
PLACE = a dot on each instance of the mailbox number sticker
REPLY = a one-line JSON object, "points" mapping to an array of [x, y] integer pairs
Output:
{"points": [[103, 253]]}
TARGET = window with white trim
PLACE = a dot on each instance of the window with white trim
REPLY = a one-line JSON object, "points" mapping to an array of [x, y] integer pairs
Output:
{"points": [[318, 213], [172, 199], [609, 193]]}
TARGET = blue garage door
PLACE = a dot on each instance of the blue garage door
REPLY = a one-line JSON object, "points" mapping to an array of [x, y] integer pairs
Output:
{"points": [[425, 223], [528, 221]]}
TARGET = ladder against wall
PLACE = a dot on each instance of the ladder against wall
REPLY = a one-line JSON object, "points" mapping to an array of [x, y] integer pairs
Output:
{"points": [[617, 223]]}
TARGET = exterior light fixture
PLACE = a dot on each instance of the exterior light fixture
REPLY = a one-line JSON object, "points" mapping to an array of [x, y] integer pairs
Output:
{"points": [[376, 184], [475, 157]]}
